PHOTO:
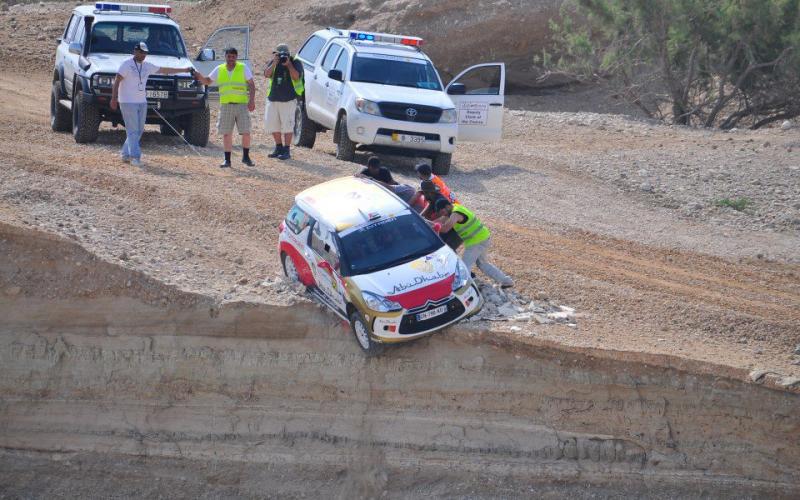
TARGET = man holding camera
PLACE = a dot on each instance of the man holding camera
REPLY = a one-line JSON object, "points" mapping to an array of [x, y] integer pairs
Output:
{"points": [[284, 76], [237, 98]]}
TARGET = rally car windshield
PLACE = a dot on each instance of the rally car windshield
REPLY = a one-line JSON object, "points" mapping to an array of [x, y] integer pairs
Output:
{"points": [[394, 70], [387, 243], [120, 37]]}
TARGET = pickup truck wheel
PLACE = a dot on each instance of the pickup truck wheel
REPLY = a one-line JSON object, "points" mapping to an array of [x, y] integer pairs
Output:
{"points": [[361, 331], [441, 163], [85, 119], [345, 148], [197, 126], [305, 130], [165, 130], [60, 119]]}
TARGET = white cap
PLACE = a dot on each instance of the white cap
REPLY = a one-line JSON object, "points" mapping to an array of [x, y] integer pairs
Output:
{"points": [[141, 46]]}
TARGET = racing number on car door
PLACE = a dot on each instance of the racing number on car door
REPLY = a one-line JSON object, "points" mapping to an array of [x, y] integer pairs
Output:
{"points": [[326, 266], [478, 94]]}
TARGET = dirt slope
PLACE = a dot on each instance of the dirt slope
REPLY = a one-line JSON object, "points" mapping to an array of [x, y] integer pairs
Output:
{"points": [[123, 364]]}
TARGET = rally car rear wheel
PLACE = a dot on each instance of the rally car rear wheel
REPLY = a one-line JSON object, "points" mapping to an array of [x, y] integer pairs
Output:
{"points": [[361, 331], [289, 269]]}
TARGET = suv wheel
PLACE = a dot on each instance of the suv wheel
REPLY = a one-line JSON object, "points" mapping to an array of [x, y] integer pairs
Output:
{"points": [[441, 163], [196, 127], [305, 130], [60, 120], [85, 119], [362, 333], [345, 148], [166, 130]]}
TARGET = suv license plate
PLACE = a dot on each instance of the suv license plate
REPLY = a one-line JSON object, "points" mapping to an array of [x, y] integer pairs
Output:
{"points": [[432, 313], [157, 94], [415, 139]]}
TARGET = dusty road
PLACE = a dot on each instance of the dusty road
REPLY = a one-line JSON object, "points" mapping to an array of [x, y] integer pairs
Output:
{"points": [[642, 277]]}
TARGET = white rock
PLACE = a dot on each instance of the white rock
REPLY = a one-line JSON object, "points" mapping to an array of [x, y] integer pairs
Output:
{"points": [[786, 125]]}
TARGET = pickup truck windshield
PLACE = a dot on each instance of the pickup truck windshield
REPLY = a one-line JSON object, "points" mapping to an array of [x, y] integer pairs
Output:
{"points": [[395, 70], [387, 243], [120, 37]]}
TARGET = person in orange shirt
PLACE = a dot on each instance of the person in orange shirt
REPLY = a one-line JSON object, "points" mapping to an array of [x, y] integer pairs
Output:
{"points": [[425, 173]]}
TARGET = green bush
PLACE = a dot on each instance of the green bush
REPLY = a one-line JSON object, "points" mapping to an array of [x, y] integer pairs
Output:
{"points": [[723, 63]]}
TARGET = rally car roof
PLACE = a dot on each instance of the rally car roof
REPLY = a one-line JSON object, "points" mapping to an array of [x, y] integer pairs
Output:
{"points": [[348, 202]]}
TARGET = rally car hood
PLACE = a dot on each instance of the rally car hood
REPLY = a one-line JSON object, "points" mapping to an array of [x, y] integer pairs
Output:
{"points": [[390, 93], [413, 284], [109, 63]]}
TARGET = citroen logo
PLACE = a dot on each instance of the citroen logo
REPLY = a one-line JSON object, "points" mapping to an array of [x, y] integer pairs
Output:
{"points": [[411, 112]]}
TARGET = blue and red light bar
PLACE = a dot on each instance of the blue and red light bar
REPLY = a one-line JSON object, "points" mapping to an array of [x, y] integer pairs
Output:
{"points": [[133, 7], [410, 41]]}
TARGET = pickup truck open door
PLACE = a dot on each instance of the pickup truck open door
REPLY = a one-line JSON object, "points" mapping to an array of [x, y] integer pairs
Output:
{"points": [[478, 93], [213, 52]]}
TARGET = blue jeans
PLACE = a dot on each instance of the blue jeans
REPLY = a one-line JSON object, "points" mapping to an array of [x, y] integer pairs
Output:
{"points": [[134, 115]]}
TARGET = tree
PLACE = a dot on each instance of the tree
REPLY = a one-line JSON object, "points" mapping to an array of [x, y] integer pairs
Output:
{"points": [[719, 63]]}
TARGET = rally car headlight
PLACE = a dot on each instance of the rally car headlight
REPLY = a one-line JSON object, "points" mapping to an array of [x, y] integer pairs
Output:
{"points": [[380, 304], [185, 84], [368, 107], [448, 116], [103, 80], [461, 276]]}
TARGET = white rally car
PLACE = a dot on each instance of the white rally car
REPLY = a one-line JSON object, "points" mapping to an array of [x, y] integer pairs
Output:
{"points": [[374, 262]]}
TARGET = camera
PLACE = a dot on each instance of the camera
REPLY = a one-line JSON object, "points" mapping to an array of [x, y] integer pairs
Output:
{"points": [[283, 57]]}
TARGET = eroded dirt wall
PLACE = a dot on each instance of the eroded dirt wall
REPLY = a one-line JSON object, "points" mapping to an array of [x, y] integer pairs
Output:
{"points": [[116, 363]]}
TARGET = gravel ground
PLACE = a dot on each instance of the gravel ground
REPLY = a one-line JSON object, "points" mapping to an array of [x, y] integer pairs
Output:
{"points": [[661, 269]]}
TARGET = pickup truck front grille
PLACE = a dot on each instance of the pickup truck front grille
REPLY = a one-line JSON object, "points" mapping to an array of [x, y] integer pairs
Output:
{"points": [[410, 112], [159, 83]]}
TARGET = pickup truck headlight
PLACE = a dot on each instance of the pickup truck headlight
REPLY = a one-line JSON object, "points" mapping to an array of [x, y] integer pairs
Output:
{"points": [[461, 277], [379, 303], [186, 84], [368, 107], [102, 80], [448, 116]]}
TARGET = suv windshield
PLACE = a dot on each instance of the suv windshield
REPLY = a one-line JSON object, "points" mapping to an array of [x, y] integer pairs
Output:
{"points": [[395, 70], [120, 37], [387, 243]]}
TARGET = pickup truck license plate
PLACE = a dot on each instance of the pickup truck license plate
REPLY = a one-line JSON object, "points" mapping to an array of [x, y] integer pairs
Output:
{"points": [[157, 94], [414, 139], [432, 313]]}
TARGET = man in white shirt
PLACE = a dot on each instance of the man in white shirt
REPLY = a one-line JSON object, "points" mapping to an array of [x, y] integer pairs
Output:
{"points": [[130, 93], [237, 99]]}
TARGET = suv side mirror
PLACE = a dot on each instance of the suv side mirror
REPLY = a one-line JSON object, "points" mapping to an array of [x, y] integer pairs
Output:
{"points": [[457, 89], [76, 48], [58, 40], [207, 55], [336, 74]]}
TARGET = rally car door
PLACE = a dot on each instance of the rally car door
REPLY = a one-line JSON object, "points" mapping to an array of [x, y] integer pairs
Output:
{"points": [[478, 93], [325, 266], [212, 54]]}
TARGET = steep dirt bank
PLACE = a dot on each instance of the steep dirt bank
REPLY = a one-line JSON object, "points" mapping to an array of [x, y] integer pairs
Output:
{"points": [[115, 362]]}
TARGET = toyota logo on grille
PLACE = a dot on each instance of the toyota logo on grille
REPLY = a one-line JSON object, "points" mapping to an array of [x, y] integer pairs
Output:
{"points": [[411, 112]]}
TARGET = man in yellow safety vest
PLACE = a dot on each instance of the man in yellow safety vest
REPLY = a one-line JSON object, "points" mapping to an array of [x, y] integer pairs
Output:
{"points": [[237, 99], [474, 234]]}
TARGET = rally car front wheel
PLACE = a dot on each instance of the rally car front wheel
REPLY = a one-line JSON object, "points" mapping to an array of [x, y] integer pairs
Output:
{"points": [[360, 329]]}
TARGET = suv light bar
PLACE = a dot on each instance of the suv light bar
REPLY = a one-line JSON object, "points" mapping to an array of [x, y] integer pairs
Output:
{"points": [[411, 41], [131, 7]]}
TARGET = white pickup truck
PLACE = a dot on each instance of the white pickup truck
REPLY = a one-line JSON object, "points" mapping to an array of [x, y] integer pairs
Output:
{"points": [[379, 92]]}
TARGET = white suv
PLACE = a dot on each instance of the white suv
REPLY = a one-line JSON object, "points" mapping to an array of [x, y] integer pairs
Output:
{"points": [[380, 92]]}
